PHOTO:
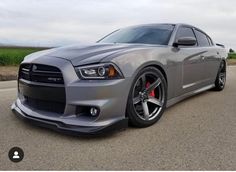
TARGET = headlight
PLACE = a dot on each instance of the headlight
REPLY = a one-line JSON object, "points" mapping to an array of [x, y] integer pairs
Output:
{"points": [[99, 71]]}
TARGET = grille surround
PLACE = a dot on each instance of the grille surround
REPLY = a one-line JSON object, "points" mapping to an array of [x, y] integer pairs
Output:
{"points": [[41, 73], [42, 87]]}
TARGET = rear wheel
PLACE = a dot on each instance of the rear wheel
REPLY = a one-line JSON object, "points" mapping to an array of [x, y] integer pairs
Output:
{"points": [[221, 77], [147, 97]]}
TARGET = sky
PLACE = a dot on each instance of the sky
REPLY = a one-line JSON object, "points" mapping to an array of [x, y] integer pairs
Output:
{"points": [[63, 22]]}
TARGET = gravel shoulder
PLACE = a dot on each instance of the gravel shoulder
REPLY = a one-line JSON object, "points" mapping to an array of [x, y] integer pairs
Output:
{"points": [[8, 73]]}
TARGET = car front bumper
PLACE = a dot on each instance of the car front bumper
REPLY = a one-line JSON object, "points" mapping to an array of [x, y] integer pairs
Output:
{"points": [[109, 96]]}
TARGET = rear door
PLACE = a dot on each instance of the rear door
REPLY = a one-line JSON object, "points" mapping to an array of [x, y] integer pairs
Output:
{"points": [[210, 57]]}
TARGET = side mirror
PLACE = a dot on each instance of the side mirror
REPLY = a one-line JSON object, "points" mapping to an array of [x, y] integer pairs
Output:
{"points": [[185, 41]]}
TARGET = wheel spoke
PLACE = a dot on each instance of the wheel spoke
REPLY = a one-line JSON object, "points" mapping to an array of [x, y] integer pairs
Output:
{"points": [[221, 81], [153, 85], [222, 75], [145, 110], [143, 79], [221, 78], [154, 101], [221, 66], [136, 100]]}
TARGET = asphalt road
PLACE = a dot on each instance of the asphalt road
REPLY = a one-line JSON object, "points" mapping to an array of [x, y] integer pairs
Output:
{"points": [[196, 134]]}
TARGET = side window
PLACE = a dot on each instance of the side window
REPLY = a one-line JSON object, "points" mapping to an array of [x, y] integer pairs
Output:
{"points": [[210, 41], [202, 39], [184, 32]]}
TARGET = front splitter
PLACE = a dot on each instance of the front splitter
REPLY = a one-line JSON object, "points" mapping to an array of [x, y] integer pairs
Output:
{"points": [[70, 129]]}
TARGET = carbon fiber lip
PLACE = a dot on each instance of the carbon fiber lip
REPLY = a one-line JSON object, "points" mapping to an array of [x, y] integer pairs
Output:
{"points": [[68, 129]]}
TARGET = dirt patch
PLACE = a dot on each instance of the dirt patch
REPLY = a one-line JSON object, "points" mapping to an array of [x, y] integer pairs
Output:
{"points": [[231, 61], [8, 73]]}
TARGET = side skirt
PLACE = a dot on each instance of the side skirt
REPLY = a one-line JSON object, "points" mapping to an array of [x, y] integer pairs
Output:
{"points": [[186, 95]]}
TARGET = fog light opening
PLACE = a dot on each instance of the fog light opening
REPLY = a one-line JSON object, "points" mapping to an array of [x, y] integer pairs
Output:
{"points": [[93, 111]]}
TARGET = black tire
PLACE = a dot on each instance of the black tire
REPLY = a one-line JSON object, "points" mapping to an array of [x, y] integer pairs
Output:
{"points": [[158, 94], [221, 77]]}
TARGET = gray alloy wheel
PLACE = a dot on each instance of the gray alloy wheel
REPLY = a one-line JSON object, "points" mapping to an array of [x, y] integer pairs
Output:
{"points": [[221, 77], [147, 97]]}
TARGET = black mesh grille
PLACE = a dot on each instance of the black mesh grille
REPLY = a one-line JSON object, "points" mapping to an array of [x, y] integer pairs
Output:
{"points": [[42, 97], [43, 105], [41, 73]]}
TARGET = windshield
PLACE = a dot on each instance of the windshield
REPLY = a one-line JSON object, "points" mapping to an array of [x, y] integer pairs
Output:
{"points": [[158, 34]]}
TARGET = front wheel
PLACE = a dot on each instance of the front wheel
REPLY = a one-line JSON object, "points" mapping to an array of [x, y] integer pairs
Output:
{"points": [[147, 97]]}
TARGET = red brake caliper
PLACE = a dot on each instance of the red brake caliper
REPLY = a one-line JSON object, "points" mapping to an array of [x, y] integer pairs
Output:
{"points": [[152, 93]]}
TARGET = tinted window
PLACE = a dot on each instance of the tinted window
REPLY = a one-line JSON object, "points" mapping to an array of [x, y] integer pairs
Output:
{"points": [[202, 39], [184, 32], [210, 41], [159, 34]]}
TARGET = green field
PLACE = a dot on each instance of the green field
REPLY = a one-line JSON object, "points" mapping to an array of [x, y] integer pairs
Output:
{"points": [[232, 56], [14, 55]]}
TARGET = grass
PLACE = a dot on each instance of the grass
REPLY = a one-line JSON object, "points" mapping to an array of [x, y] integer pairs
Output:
{"points": [[232, 55], [15, 55]]}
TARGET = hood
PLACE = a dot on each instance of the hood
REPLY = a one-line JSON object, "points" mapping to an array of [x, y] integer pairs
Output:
{"points": [[85, 54]]}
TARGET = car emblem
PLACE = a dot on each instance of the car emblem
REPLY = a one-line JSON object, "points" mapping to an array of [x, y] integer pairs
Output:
{"points": [[34, 68], [54, 79]]}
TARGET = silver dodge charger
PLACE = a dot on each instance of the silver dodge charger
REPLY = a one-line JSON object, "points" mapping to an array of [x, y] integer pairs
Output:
{"points": [[128, 77]]}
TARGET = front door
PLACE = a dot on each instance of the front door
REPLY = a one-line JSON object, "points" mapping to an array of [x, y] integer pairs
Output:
{"points": [[191, 63]]}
